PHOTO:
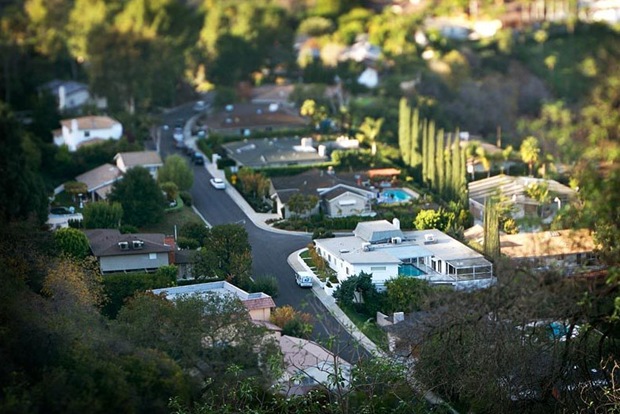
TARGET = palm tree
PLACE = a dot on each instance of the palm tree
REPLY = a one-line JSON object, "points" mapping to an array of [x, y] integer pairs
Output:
{"points": [[530, 152], [369, 130]]}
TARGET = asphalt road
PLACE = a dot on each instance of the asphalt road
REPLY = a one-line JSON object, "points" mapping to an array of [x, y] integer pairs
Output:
{"points": [[269, 250]]}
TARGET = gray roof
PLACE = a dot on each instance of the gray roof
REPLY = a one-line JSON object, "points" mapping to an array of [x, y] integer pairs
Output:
{"points": [[105, 242], [70, 86], [317, 182], [377, 231], [252, 301], [255, 115], [266, 152], [99, 177], [513, 186], [142, 158]]}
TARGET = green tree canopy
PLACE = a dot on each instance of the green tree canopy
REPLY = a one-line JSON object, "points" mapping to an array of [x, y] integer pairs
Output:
{"points": [[177, 170], [300, 204], [102, 215], [140, 196], [530, 152], [405, 294], [72, 242]]}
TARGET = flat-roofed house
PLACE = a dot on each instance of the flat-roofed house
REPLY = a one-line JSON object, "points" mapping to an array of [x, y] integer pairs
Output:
{"points": [[258, 304], [274, 152], [382, 249], [86, 130]]}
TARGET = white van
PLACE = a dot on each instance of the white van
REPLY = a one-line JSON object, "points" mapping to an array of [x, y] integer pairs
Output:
{"points": [[303, 279]]}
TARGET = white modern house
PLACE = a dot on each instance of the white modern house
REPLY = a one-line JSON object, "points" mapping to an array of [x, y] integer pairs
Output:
{"points": [[382, 249], [258, 304], [87, 129]]}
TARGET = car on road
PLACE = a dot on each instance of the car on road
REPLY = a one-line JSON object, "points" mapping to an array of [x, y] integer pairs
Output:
{"points": [[198, 158], [218, 183], [303, 279], [178, 134], [199, 106]]}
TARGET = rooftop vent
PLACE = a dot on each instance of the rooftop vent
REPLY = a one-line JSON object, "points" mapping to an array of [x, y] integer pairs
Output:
{"points": [[429, 239], [366, 247], [123, 245], [137, 244], [396, 240]]}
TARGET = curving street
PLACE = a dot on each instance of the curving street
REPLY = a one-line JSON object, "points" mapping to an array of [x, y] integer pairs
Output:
{"points": [[270, 250]]}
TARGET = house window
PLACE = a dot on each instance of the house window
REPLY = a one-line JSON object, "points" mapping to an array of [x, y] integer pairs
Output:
{"points": [[152, 256], [86, 134], [347, 270], [377, 268]]}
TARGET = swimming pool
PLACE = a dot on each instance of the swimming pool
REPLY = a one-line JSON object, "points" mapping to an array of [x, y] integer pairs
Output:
{"points": [[394, 195], [409, 270]]}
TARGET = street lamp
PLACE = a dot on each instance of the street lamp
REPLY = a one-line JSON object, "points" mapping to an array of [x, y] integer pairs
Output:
{"points": [[557, 200]]}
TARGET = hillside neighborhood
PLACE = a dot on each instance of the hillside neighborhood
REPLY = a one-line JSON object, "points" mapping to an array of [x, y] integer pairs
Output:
{"points": [[310, 207]]}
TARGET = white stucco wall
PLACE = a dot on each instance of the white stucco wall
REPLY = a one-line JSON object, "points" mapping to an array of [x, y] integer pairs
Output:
{"points": [[73, 137]]}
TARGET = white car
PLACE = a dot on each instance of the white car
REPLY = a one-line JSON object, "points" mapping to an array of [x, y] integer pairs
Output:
{"points": [[199, 106], [218, 183], [178, 134]]}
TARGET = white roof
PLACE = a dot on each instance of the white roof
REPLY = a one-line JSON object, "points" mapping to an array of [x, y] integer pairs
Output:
{"points": [[376, 231], [356, 250]]}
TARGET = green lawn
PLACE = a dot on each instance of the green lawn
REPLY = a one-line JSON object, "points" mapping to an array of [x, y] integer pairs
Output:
{"points": [[172, 218], [369, 327]]}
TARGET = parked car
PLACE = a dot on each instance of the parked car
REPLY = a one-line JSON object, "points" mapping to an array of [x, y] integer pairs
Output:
{"points": [[218, 183], [198, 158], [303, 279], [178, 134]]}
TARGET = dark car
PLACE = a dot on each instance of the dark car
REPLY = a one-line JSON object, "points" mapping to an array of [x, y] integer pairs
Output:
{"points": [[198, 158]]}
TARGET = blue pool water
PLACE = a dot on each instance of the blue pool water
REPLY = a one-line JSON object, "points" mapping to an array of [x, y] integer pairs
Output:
{"points": [[409, 270], [394, 195]]}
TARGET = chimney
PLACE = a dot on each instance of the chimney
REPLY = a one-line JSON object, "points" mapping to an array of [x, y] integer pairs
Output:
{"points": [[396, 223], [62, 97], [399, 317], [169, 241]]}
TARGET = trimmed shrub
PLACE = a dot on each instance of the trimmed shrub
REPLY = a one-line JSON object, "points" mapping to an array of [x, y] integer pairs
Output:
{"points": [[186, 197], [121, 286], [187, 243], [265, 284]]}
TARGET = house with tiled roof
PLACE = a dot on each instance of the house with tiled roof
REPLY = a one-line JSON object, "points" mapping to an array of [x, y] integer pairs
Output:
{"points": [[84, 130], [145, 159], [99, 180], [139, 252], [259, 304]]}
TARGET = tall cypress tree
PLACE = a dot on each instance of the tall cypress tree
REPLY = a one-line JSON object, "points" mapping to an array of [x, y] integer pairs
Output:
{"points": [[457, 182], [415, 156], [432, 180], [448, 192], [424, 151], [463, 175], [404, 134], [491, 229], [440, 162]]}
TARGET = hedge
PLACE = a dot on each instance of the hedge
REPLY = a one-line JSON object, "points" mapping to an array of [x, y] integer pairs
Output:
{"points": [[121, 286]]}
